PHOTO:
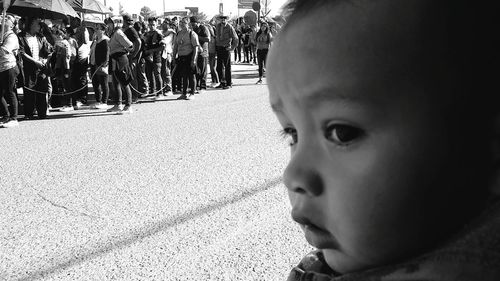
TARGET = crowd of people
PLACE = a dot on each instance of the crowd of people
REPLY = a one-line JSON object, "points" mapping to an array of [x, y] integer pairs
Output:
{"points": [[124, 60]]}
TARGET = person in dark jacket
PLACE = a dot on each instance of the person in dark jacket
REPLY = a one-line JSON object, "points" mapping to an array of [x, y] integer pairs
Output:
{"points": [[34, 50], [99, 67]]}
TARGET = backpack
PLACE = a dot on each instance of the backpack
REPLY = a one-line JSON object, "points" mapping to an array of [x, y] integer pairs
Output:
{"points": [[19, 62]]}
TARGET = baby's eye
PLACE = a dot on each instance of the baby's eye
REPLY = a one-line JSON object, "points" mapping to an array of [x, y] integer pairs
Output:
{"points": [[290, 134], [342, 134]]}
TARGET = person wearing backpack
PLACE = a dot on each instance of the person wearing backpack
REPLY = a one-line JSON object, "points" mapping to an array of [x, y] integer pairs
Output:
{"points": [[8, 74]]}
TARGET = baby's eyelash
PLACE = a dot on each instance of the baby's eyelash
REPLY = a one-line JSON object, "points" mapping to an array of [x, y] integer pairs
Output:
{"points": [[285, 132]]}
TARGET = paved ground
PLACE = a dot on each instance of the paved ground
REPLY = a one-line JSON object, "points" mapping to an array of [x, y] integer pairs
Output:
{"points": [[179, 190]]}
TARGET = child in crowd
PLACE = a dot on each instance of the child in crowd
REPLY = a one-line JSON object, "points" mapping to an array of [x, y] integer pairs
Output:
{"points": [[390, 110]]}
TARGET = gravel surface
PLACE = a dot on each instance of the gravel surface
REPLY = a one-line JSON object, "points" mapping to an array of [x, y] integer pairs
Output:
{"points": [[178, 190]]}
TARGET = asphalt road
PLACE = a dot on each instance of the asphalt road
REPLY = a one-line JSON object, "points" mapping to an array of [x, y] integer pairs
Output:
{"points": [[178, 190]]}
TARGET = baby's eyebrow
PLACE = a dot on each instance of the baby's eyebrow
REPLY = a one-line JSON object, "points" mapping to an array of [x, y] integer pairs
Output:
{"points": [[333, 95]]}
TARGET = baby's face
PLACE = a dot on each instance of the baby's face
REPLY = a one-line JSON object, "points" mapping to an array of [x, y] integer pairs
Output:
{"points": [[369, 147]]}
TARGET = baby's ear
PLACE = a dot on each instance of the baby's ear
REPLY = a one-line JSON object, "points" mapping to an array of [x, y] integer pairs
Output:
{"points": [[495, 152]]}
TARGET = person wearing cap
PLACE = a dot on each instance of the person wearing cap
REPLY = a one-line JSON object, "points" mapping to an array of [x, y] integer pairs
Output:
{"points": [[8, 74], [153, 54], [202, 62], [133, 36], [226, 41]]}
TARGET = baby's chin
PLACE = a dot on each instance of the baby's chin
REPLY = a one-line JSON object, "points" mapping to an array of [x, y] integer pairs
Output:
{"points": [[340, 262]]}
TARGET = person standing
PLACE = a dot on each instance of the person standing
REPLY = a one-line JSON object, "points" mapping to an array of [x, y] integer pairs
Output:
{"points": [[142, 79], [133, 58], [81, 63], [166, 57], [60, 60], [34, 50], [153, 51], [202, 61], [226, 41], [8, 74], [99, 67], [186, 48], [119, 48], [212, 56], [263, 40]]}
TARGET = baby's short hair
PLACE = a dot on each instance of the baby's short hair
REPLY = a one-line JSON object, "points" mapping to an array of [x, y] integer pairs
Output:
{"points": [[472, 49]]}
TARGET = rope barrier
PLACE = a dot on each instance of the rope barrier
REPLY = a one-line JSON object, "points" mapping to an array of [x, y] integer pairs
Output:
{"points": [[92, 77], [64, 94]]}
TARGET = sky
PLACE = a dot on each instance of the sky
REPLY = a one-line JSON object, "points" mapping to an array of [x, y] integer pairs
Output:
{"points": [[209, 7]]}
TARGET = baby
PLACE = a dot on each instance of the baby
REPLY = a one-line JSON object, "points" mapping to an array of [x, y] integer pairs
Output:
{"points": [[389, 108]]}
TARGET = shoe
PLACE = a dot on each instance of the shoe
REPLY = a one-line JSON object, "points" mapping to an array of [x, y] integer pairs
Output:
{"points": [[190, 97], [126, 110], [226, 87], [10, 124], [221, 86], [167, 93], [66, 108], [4, 119], [259, 81], [115, 108], [79, 104], [182, 97], [102, 106], [95, 105]]}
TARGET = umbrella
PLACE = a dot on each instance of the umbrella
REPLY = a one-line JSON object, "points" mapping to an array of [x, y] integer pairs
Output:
{"points": [[89, 6], [48, 9]]}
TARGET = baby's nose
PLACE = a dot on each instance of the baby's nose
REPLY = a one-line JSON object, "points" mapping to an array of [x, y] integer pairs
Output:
{"points": [[301, 175]]}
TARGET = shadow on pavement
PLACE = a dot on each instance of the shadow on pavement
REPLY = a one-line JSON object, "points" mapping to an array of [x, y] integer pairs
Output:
{"points": [[139, 234], [246, 76]]}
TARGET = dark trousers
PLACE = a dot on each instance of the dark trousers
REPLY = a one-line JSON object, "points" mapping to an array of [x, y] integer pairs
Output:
{"points": [[153, 71], [248, 52], [165, 75], [261, 58], [212, 60], [62, 85], [8, 94], [36, 94], [201, 75], [237, 53], [224, 65], [79, 81], [100, 85], [187, 73], [121, 79], [176, 77], [142, 78]]}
